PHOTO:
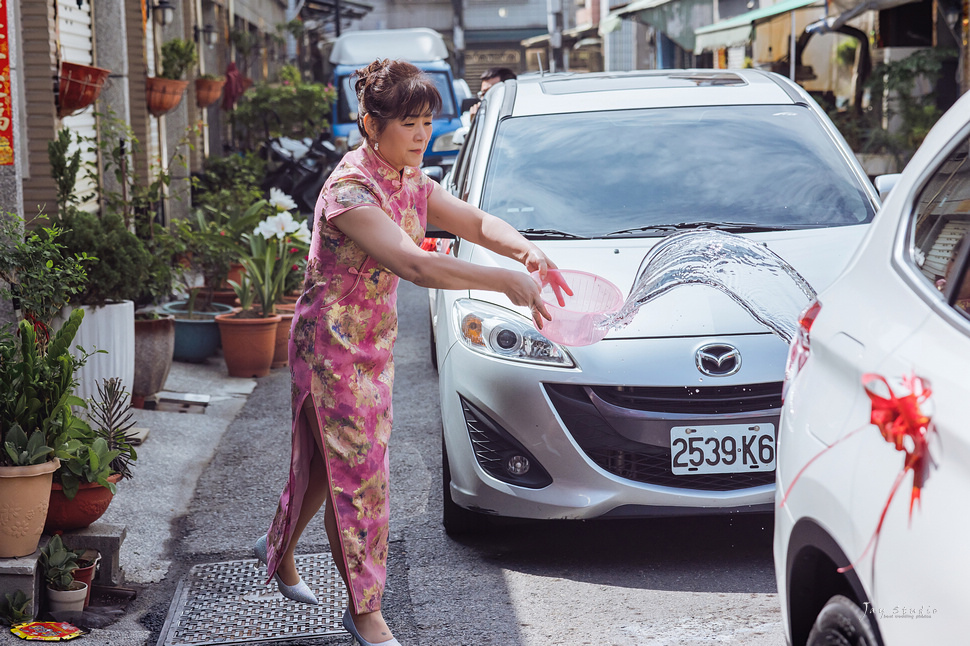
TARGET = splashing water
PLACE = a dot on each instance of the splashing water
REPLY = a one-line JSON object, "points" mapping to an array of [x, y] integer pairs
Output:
{"points": [[752, 275]]}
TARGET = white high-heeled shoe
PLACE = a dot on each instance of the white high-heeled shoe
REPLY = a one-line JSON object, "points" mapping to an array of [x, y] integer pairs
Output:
{"points": [[299, 592], [352, 629]]}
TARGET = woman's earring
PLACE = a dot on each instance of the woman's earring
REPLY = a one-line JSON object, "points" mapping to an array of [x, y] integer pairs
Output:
{"points": [[377, 146]]}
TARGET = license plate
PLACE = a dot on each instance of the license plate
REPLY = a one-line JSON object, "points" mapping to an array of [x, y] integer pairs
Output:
{"points": [[729, 448]]}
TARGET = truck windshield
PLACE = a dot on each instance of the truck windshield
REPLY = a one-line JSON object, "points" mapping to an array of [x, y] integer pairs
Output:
{"points": [[347, 99]]}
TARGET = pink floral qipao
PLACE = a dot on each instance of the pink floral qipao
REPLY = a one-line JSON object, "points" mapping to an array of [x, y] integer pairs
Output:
{"points": [[341, 346]]}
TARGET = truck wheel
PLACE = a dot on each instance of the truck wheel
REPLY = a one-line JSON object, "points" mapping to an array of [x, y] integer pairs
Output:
{"points": [[841, 623]]}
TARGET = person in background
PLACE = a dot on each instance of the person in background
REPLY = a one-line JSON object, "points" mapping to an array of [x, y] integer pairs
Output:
{"points": [[491, 76]]}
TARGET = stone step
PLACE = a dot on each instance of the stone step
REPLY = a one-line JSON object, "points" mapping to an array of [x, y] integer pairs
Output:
{"points": [[24, 574]]}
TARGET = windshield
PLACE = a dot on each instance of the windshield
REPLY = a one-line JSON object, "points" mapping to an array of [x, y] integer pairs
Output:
{"points": [[347, 101], [591, 174]]}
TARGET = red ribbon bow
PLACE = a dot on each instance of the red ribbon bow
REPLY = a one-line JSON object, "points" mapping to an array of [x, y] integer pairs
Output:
{"points": [[903, 424]]}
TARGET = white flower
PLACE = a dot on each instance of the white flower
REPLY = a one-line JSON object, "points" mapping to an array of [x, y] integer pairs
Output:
{"points": [[302, 234], [280, 200], [277, 226]]}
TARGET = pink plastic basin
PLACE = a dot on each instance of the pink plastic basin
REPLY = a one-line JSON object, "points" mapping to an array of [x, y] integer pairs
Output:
{"points": [[575, 323]]}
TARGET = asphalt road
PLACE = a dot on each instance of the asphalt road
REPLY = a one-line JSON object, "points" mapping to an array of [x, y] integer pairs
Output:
{"points": [[619, 582]]}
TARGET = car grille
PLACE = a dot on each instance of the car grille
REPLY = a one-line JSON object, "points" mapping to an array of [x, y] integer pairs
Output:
{"points": [[650, 464]]}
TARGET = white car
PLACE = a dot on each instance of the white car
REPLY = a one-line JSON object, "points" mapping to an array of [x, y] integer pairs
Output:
{"points": [[597, 169], [898, 314]]}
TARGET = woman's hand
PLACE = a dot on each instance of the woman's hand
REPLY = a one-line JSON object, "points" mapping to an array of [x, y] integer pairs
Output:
{"points": [[523, 290], [536, 260]]}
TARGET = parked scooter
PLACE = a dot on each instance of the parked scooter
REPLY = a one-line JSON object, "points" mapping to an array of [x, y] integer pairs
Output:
{"points": [[301, 176]]}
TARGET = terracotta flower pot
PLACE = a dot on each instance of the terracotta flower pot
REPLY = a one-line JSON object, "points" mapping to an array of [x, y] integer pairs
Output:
{"points": [[88, 505], [248, 344], [24, 497], [78, 87], [86, 574], [281, 355], [163, 95], [207, 91]]}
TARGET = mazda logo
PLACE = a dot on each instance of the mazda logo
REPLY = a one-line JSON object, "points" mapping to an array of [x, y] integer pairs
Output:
{"points": [[718, 360]]}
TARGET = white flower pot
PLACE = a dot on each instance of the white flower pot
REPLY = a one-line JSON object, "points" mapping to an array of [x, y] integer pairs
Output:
{"points": [[111, 328], [67, 600]]}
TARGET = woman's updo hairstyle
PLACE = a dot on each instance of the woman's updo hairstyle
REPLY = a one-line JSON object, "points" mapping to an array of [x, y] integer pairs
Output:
{"points": [[388, 90]]}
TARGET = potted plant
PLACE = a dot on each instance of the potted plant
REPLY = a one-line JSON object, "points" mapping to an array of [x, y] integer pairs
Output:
{"points": [[163, 92], [36, 422], [208, 89], [249, 336], [87, 566], [15, 608], [57, 564], [78, 87], [40, 277], [115, 273], [97, 457]]}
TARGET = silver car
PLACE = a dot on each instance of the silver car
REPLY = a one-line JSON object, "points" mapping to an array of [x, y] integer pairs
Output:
{"points": [[676, 413]]}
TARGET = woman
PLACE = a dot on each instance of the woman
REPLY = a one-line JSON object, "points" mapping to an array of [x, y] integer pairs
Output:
{"points": [[368, 224]]}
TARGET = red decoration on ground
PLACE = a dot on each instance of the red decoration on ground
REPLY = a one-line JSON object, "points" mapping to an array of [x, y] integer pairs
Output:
{"points": [[48, 631]]}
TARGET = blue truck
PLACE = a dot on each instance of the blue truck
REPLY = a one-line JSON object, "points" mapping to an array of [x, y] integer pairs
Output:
{"points": [[423, 48]]}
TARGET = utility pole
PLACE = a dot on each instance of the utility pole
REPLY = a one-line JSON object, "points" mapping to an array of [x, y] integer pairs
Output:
{"points": [[336, 17], [555, 24], [458, 37]]}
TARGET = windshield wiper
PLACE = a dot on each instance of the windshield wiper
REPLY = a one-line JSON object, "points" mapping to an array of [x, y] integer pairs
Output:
{"points": [[736, 227], [551, 233], [656, 228]]}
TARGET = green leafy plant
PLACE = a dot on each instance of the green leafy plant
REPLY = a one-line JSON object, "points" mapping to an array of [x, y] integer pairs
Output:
{"points": [[291, 107], [42, 275], [210, 77], [272, 245], [88, 460], [37, 391], [178, 56], [57, 564], [65, 168], [110, 416], [896, 102], [23, 451], [120, 271], [14, 608]]}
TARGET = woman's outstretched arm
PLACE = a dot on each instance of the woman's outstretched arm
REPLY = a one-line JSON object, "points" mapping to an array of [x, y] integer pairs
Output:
{"points": [[388, 244]]}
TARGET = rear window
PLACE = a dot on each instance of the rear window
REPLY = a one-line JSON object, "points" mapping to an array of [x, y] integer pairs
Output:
{"points": [[594, 173]]}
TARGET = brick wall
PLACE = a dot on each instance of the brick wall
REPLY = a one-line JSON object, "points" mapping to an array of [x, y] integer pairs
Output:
{"points": [[39, 28]]}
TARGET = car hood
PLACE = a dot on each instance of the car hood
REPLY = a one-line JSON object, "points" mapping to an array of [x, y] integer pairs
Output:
{"points": [[819, 255]]}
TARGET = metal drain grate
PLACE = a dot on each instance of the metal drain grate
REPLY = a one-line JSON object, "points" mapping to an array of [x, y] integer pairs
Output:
{"points": [[229, 603]]}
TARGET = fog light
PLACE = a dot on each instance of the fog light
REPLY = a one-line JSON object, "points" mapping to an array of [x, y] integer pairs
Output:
{"points": [[517, 465]]}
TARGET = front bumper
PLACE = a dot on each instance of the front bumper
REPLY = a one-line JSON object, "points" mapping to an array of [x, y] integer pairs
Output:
{"points": [[593, 474]]}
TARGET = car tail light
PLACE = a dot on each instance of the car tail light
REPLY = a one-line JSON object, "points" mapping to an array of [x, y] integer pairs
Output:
{"points": [[800, 345]]}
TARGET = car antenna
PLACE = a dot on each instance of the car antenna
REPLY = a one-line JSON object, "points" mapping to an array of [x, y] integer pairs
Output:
{"points": [[542, 72]]}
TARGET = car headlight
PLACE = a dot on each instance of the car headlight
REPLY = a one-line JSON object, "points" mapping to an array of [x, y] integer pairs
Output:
{"points": [[497, 332], [445, 143]]}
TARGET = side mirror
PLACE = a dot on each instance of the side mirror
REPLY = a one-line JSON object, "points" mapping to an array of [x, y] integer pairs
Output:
{"points": [[885, 183], [466, 104], [434, 172]]}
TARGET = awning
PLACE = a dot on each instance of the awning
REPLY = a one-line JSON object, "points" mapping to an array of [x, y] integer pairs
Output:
{"points": [[570, 36], [677, 19], [852, 8], [738, 30]]}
